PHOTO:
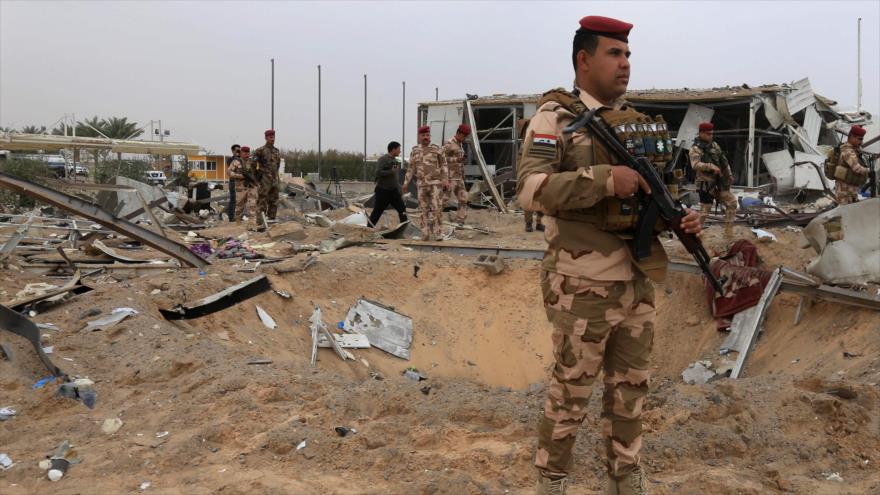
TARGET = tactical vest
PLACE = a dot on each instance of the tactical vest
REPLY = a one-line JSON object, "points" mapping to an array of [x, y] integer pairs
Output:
{"points": [[843, 173], [634, 130]]}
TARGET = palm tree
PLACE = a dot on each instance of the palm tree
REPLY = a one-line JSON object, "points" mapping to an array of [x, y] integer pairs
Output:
{"points": [[120, 128], [32, 129]]}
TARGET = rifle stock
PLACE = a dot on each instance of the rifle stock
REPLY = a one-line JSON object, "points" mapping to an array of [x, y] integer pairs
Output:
{"points": [[659, 203]]}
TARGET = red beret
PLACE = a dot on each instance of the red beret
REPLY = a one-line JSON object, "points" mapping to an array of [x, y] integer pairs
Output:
{"points": [[424, 128], [464, 129], [857, 131], [246, 148], [707, 126], [606, 26], [269, 132]]}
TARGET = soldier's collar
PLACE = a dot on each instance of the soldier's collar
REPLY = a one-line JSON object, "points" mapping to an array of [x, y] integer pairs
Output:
{"points": [[592, 103]]}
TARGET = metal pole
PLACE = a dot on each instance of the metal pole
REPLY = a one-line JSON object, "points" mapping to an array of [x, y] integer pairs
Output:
{"points": [[436, 94], [365, 128], [161, 136], [403, 128], [319, 122], [859, 69], [272, 122]]}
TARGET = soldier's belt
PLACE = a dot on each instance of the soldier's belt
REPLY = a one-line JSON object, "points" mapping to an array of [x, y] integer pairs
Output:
{"points": [[609, 215]]}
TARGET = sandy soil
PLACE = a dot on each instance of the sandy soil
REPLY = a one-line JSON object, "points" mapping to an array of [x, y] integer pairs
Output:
{"points": [[482, 341]]}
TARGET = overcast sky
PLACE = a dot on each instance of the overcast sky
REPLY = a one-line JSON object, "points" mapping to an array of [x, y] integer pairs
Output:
{"points": [[203, 67]]}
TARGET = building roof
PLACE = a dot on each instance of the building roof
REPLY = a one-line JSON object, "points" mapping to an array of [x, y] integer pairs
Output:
{"points": [[682, 95]]}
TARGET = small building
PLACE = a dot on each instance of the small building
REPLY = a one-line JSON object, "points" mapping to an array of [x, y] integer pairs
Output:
{"points": [[758, 127], [207, 167]]}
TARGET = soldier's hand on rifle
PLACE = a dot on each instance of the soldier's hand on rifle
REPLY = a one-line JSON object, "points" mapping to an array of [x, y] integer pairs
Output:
{"points": [[716, 169], [627, 182], [691, 222]]}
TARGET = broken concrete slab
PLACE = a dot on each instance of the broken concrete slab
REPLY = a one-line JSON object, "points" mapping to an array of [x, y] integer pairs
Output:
{"points": [[219, 301], [287, 231], [385, 328], [491, 262], [845, 239], [698, 373]]}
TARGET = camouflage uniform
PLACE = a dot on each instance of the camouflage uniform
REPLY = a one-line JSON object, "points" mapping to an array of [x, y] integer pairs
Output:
{"points": [[428, 166], [848, 191], [454, 155], [267, 159], [708, 181], [245, 191], [599, 301]]}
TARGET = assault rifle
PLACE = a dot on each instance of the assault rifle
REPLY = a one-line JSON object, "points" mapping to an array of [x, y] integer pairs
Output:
{"points": [[658, 203], [724, 177]]}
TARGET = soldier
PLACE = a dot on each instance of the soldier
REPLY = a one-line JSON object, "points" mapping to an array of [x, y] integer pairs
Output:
{"points": [[387, 188], [240, 170], [851, 171], [427, 164], [267, 158], [454, 154], [230, 206], [713, 176], [599, 301]]}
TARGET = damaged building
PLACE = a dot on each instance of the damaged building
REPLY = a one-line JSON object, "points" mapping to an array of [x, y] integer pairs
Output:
{"points": [[772, 134]]}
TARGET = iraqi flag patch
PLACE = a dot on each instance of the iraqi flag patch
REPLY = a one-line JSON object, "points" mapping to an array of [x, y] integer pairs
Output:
{"points": [[543, 146]]}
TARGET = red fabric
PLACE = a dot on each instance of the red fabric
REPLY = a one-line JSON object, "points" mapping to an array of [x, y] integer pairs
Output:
{"points": [[269, 132], [606, 26], [424, 128], [744, 282], [857, 131], [246, 148], [464, 129], [707, 126]]}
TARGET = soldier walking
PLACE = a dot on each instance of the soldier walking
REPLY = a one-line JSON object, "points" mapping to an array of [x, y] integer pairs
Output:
{"points": [[245, 188], [598, 299], [267, 159], [428, 166], [230, 205], [851, 171], [387, 188], [454, 154], [713, 176]]}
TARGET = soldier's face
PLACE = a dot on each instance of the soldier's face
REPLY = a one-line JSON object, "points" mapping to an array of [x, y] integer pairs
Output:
{"points": [[425, 138], [706, 136], [236, 152], [607, 70], [245, 154], [270, 139], [855, 140]]}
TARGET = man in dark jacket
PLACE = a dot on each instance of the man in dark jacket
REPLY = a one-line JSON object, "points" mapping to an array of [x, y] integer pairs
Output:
{"points": [[387, 187]]}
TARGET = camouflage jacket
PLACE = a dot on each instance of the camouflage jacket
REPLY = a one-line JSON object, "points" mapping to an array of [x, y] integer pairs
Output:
{"points": [[454, 154], [849, 158], [236, 167], [428, 166], [561, 174], [704, 170], [266, 160]]}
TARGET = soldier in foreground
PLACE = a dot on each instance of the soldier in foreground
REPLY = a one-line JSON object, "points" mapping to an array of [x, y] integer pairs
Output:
{"points": [[267, 158], [427, 164], [245, 187], [599, 301], [851, 172], [713, 176], [454, 154]]}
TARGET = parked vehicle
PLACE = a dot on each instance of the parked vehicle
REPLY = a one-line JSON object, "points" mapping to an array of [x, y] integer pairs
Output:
{"points": [[155, 177], [78, 169]]}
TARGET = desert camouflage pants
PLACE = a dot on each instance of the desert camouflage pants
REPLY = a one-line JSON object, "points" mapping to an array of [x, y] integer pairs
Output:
{"points": [[724, 197], [267, 200], [245, 197], [458, 189], [597, 326], [846, 193], [431, 207]]}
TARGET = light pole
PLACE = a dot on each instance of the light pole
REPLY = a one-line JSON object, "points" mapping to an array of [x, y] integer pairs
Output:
{"points": [[319, 123], [365, 128], [403, 128], [272, 121]]}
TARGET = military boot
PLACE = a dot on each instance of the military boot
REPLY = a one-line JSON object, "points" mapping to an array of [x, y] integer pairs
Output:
{"points": [[632, 483], [550, 486], [729, 217], [705, 209], [529, 227]]}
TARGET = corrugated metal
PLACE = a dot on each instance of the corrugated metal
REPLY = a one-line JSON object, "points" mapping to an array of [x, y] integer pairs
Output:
{"points": [[779, 165], [812, 123], [773, 115], [444, 120], [692, 119], [806, 176], [800, 97]]}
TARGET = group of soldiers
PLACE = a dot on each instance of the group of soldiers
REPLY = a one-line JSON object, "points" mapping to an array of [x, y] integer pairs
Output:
{"points": [[254, 182], [439, 175]]}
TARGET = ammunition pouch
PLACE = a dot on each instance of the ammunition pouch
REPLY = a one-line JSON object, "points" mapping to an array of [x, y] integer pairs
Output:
{"points": [[846, 175], [706, 190]]}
